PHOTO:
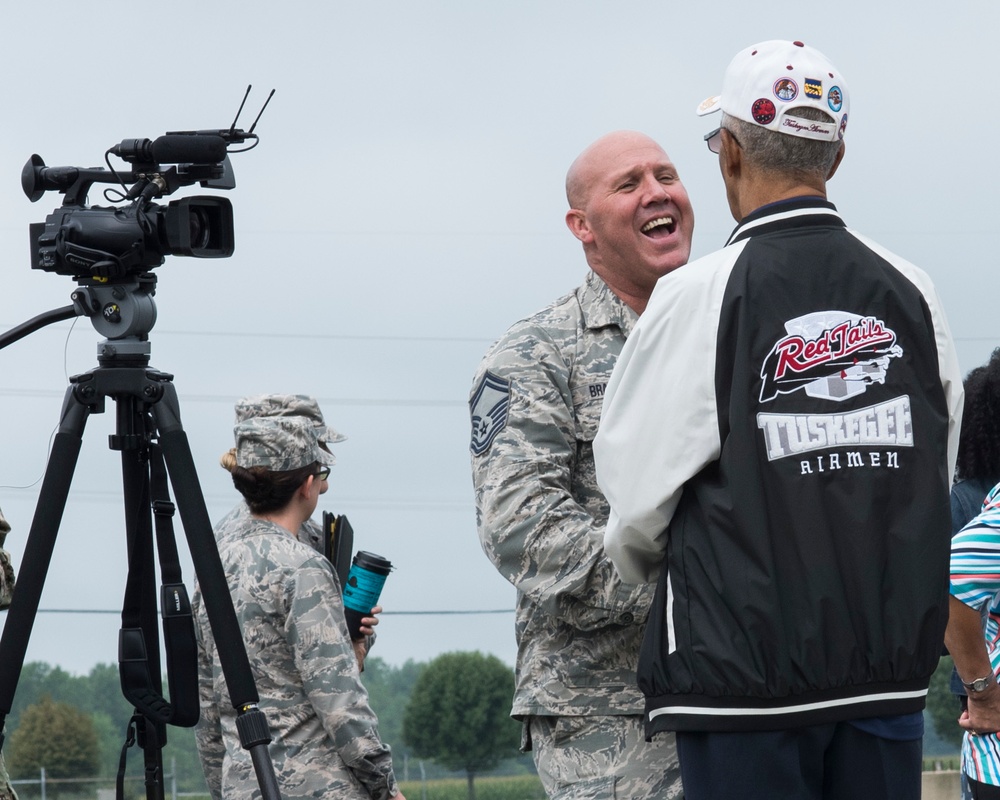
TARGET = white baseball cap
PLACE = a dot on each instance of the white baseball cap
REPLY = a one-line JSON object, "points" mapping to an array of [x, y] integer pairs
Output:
{"points": [[766, 83]]}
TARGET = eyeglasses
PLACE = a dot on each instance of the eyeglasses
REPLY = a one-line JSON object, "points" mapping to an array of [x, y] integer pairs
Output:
{"points": [[714, 140], [323, 474]]}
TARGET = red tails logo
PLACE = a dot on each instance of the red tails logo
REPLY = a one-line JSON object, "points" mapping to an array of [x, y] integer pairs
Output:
{"points": [[849, 350], [800, 355]]}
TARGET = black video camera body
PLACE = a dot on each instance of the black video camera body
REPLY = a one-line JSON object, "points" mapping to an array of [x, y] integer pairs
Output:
{"points": [[121, 243]]}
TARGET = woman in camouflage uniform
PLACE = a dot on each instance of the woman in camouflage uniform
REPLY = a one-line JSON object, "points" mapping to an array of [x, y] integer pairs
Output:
{"points": [[326, 740]]}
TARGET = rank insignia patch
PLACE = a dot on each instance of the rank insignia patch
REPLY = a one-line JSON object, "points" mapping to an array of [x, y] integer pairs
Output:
{"points": [[489, 406]]}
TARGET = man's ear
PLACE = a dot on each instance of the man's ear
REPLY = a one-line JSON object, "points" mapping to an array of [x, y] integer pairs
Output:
{"points": [[837, 160], [731, 155], [576, 221]]}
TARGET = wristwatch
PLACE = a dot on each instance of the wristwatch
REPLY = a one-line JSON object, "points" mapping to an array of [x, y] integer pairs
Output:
{"points": [[980, 684]]}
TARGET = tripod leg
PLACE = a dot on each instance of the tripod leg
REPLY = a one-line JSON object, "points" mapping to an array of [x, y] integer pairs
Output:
{"points": [[250, 721], [132, 438], [39, 546]]}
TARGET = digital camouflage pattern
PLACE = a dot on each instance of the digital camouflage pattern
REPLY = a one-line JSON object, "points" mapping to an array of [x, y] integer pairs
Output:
{"points": [[311, 532], [6, 592], [535, 405], [278, 444], [287, 601], [541, 516], [288, 405], [598, 758], [6, 567], [6, 790]]}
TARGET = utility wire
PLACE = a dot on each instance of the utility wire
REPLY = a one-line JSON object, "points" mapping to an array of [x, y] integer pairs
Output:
{"points": [[471, 612]]}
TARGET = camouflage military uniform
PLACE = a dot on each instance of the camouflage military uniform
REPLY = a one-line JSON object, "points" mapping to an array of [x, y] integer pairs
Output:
{"points": [[6, 592], [535, 405], [285, 594], [311, 533]]}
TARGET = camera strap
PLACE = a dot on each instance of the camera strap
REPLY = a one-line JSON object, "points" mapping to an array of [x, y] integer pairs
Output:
{"points": [[181, 648]]}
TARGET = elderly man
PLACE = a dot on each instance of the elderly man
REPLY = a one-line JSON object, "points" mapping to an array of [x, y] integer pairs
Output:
{"points": [[777, 444], [535, 405]]}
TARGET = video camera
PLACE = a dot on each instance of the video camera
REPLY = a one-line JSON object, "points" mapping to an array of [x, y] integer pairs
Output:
{"points": [[108, 243]]}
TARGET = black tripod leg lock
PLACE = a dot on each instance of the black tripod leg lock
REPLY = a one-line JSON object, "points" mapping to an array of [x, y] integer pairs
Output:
{"points": [[251, 724]]}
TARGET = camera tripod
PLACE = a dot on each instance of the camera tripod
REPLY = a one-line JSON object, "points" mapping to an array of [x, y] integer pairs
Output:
{"points": [[148, 433]]}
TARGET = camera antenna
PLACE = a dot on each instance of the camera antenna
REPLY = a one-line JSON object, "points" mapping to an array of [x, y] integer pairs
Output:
{"points": [[235, 134], [259, 113], [243, 102]]}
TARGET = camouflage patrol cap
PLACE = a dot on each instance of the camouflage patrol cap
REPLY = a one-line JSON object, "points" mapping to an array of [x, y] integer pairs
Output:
{"points": [[288, 405], [279, 444]]}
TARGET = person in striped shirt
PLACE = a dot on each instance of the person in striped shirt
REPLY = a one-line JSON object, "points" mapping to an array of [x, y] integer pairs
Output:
{"points": [[973, 639]]}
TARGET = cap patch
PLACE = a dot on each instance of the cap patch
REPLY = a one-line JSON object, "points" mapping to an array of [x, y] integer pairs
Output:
{"points": [[813, 88], [488, 406], [843, 127], [786, 90], [835, 99], [763, 111]]}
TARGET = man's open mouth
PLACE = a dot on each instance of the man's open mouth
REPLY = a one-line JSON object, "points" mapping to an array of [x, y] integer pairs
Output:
{"points": [[661, 226]]}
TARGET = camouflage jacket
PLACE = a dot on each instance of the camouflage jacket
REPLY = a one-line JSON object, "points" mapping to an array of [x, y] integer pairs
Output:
{"points": [[287, 601], [535, 404], [6, 567], [312, 534]]}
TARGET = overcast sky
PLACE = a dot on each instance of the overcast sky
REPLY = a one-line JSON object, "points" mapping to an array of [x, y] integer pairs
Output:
{"points": [[404, 206]]}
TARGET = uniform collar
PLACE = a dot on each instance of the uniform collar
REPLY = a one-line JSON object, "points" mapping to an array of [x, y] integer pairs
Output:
{"points": [[601, 307]]}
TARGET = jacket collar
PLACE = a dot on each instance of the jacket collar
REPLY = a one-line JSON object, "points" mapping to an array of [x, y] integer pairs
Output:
{"points": [[794, 213]]}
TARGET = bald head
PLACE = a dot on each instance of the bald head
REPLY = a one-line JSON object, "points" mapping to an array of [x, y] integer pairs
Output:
{"points": [[631, 212], [593, 163]]}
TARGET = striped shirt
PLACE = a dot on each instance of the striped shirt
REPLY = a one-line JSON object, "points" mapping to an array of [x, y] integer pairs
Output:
{"points": [[975, 580]]}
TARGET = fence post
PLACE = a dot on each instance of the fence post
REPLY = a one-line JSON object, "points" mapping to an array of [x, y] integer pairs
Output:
{"points": [[43, 782]]}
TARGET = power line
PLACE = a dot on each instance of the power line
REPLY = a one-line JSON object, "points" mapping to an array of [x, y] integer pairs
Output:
{"points": [[228, 399], [351, 337], [466, 612]]}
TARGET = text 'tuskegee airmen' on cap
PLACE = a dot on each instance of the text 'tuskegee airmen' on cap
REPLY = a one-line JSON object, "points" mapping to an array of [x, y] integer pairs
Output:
{"points": [[768, 82]]}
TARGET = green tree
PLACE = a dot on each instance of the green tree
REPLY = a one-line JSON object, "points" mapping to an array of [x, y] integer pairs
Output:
{"points": [[99, 695], [459, 714], [943, 706], [389, 689], [55, 736]]}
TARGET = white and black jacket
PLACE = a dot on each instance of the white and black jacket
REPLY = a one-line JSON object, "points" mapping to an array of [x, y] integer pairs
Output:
{"points": [[777, 445]]}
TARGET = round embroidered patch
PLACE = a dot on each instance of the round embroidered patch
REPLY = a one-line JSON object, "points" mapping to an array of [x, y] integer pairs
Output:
{"points": [[786, 90], [835, 98], [763, 111]]}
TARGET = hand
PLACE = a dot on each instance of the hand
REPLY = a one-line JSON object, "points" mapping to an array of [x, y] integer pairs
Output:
{"points": [[363, 645], [983, 713], [368, 623]]}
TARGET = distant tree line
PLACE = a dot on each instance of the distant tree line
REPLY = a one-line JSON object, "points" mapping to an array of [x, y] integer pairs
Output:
{"points": [[452, 711], [91, 714]]}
